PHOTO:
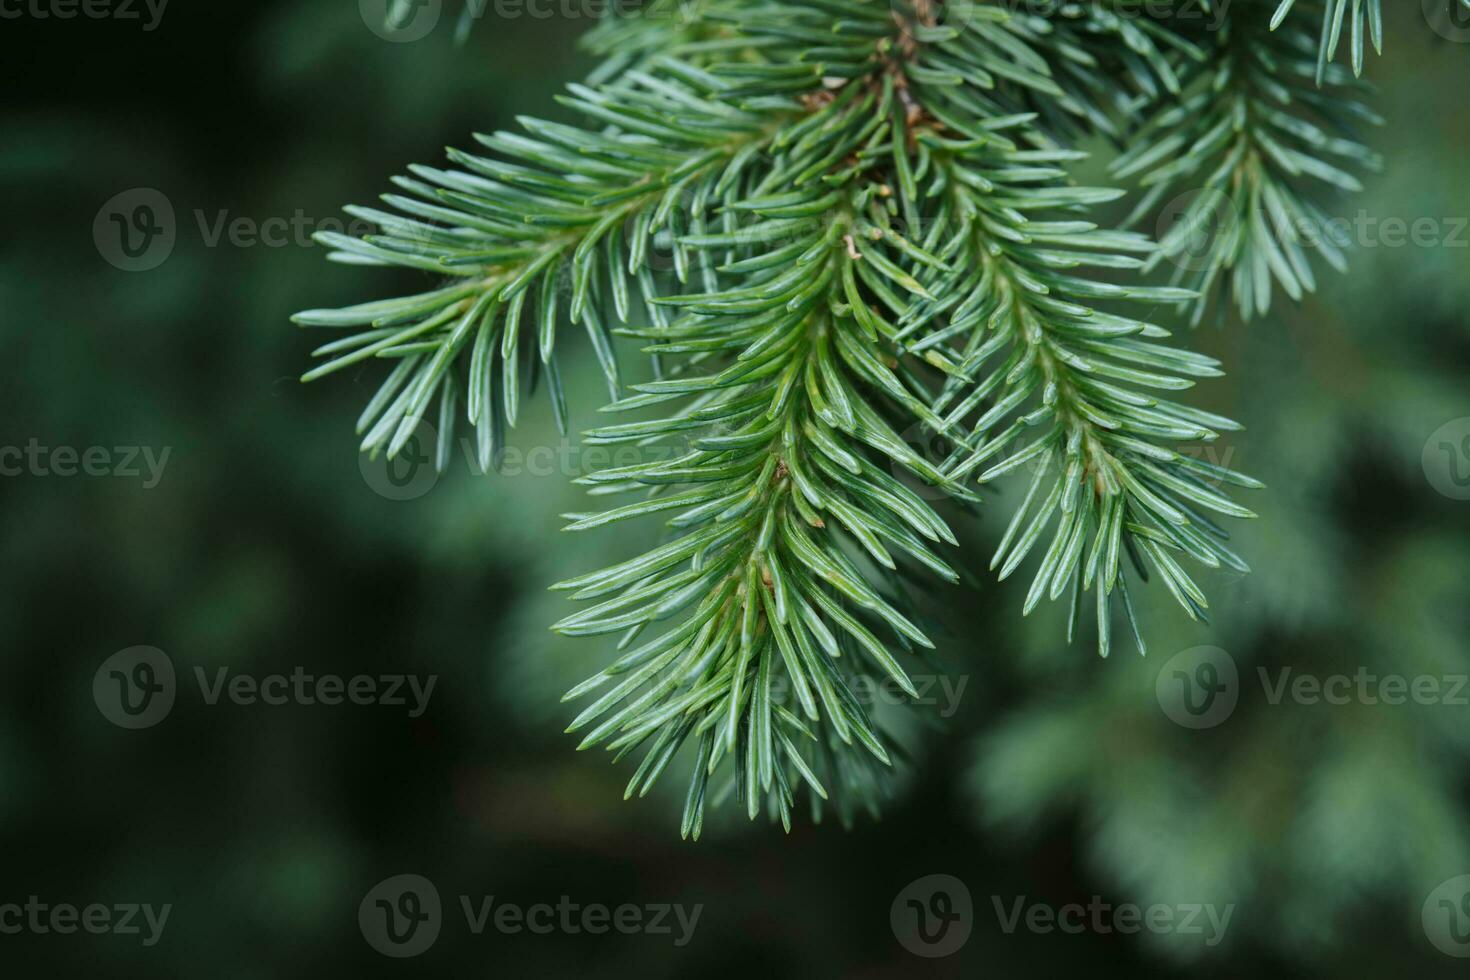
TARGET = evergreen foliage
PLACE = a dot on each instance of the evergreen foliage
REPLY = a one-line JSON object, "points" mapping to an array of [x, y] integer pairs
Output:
{"points": [[1251, 148], [830, 226]]}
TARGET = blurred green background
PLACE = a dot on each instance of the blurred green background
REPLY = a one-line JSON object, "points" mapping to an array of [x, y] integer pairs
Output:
{"points": [[263, 548]]}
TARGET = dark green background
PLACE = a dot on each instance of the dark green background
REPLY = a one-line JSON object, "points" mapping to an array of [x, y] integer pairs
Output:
{"points": [[264, 549]]}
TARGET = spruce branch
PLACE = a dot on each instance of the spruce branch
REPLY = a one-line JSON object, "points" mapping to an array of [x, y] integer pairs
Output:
{"points": [[878, 269], [1046, 380], [1245, 164], [787, 510], [1098, 63], [786, 476], [870, 230], [560, 220]]}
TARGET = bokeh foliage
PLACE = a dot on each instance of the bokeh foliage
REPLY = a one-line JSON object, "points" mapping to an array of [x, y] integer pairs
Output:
{"points": [[263, 549]]}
